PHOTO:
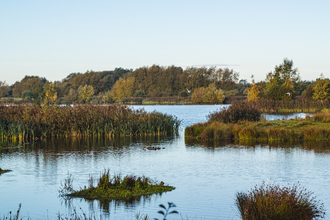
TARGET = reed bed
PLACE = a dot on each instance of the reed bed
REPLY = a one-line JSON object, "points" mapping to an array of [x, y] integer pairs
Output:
{"points": [[295, 105], [284, 130], [322, 116], [273, 202], [34, 122]]}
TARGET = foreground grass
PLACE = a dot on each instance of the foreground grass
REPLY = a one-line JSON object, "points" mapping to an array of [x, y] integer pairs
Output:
{"points": [[116, 188], [4, 171]]}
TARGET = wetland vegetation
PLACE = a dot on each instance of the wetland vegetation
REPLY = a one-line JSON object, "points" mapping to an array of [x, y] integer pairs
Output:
{"points": [[275, 202], [34, 122], [115, 187], [3, 171], [242, 121]]}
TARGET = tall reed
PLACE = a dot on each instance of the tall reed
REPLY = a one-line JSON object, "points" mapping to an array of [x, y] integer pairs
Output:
{"points": [[30, 122]]}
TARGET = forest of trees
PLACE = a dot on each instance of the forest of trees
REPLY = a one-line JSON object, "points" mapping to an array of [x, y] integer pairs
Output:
{"points": [[201, 84]]}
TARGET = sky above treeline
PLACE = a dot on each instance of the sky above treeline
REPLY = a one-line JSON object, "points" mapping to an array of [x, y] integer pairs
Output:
{"points": [[52, 39]]}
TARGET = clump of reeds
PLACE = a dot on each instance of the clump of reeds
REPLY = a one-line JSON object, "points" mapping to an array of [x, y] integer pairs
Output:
{"points": [[273, 202], [116, 188], [238, 111], [3, 171], [30, 122], [322, 116]]}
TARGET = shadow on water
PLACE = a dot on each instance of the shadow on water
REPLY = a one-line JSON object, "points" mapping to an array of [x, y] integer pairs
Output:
{"points": [[316, 146]]}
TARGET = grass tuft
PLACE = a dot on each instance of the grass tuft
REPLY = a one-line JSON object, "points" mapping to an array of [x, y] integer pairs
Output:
{"points": [[273, 202]]}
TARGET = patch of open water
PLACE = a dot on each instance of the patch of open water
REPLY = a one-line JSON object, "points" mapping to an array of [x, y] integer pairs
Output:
{"points": [[206, 177]]}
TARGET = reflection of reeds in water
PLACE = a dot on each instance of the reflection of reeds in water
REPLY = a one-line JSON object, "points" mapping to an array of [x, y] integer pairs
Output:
{"points": [[315, 146], [30, 122]]}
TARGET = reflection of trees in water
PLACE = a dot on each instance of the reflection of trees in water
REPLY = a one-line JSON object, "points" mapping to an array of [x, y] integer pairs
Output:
{"points": [[316, 146]]}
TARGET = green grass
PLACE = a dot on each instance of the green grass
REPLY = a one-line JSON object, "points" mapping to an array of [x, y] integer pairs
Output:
{"points": [[4, 171], [116, 188]]}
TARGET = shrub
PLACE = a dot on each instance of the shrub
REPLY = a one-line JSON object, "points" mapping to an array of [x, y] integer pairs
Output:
{"points": [[238, 111], [273, 202]]}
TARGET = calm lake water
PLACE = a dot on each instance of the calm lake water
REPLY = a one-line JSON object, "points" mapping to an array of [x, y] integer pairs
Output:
{"points": [[206, 176]]}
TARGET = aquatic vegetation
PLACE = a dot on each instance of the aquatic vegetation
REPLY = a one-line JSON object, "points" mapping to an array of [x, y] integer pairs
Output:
{"points": [[166, 211], [295, 105], [34, 122], [279, 130], [115, 187], [243, 121], [322, 116], [273, 202], [238, 111], [3, 171]]}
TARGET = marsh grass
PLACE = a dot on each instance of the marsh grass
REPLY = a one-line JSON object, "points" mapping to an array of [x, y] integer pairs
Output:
{"points": [[278, 130], [4, 171], [116, 188], [295, 105], [34, 122], [322, 116], [274, 202]]}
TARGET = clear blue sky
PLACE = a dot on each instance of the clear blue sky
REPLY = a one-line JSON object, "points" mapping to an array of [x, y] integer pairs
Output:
{"points": [[55, 38]]}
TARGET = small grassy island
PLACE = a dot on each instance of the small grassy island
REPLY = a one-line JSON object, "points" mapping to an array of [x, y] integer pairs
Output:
{"points": [[242, 121], [4, 171], [117, 188]]}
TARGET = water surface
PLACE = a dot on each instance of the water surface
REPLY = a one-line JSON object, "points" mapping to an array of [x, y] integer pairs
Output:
{"points": [[206, 176]]}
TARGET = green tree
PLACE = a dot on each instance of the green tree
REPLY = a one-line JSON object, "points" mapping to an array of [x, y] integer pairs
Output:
{"points": [[4, 89], [208, 95], [72, 96], [32, 83], [85, 93], [49, 94], [107, 98], [27, 95], [226, 78], [322, 89], [308, 93], [284, 80], [198, 95], [139, 93]]}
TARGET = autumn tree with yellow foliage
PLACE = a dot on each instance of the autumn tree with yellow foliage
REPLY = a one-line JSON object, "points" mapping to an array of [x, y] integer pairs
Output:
{"points": [[209, 94], [49, 93], [85, 93], [253, 93], [123, 88], [322, 89]]}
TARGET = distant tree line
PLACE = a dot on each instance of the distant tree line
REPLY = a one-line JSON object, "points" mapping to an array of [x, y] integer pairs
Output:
{"points": [[284, 84], [200, 84]]}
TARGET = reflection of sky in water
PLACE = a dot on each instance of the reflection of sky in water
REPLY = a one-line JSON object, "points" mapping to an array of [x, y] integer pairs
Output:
{"points": [[207, 176]]}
